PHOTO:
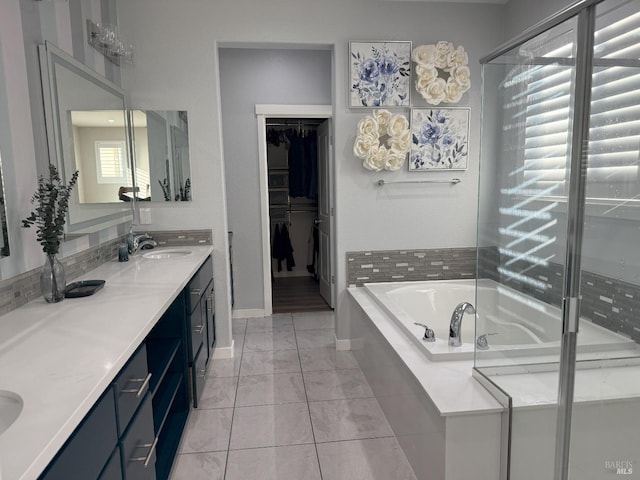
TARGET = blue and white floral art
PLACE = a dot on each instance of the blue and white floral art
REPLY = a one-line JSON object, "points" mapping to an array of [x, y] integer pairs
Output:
{"points": [[380, 74], [439, 138]]}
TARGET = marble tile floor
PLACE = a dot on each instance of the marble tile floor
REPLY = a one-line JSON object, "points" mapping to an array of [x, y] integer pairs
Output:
{"points": [[288, 406]]}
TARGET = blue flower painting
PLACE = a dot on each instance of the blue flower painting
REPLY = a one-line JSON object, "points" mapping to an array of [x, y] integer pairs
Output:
{"points": [[380, 74], [439, 138]]}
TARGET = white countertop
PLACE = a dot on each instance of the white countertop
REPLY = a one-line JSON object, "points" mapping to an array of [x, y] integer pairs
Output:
{"points": [[61, 357], [448, 384]]}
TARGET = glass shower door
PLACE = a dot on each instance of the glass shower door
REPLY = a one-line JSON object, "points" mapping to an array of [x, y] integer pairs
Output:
{"points": [[605, 424], [528, 108]]}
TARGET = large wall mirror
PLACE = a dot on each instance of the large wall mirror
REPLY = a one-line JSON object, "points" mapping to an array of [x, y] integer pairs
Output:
{"points": [[163, 172], [5, 150], [87, 131]]}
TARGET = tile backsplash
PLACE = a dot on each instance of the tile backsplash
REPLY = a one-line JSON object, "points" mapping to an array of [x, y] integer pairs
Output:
{"points": [[410, 265], [608, 302], [18, 290]]}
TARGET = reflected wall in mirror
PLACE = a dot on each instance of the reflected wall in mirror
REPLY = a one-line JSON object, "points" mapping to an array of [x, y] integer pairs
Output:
{"points": [[86, 131], [5, 145], [163, 172], [4, 235]]}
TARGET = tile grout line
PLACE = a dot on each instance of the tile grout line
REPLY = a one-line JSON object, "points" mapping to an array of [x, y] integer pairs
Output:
{"points": [[235, 399], [304, 386]]}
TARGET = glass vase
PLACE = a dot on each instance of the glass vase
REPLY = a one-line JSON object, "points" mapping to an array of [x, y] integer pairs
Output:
{"points": [[52, 280]]}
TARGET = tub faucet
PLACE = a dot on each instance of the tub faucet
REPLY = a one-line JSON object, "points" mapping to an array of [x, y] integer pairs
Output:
{"points": [[455, 327]]}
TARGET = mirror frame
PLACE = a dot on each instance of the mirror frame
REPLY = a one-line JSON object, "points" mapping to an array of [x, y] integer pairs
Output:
{"points": [[100, 215]]}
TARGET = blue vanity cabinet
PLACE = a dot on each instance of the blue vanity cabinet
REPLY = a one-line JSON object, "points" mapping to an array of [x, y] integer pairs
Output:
{"points": [[169, 386], [197, 295], [91, 445], [113, 470], [138, 445], [130, 387]]}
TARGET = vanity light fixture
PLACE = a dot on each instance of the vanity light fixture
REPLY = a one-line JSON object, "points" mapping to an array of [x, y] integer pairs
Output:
{"points": [[104, 38]]}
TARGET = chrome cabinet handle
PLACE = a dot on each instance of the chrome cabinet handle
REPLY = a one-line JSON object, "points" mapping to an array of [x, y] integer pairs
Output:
{"points": [[200, 373], [145, 383], [199, 329], [147, 459], [195, 291]]}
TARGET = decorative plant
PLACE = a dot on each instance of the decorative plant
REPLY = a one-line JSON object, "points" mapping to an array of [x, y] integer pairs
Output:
{"points": [[52, 202], [166, 189]]}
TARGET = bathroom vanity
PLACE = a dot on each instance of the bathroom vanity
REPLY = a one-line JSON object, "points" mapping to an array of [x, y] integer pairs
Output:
{"points": [[107, 381]]}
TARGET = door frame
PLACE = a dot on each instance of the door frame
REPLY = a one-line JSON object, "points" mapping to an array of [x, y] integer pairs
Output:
{"points": [[281, 111]]}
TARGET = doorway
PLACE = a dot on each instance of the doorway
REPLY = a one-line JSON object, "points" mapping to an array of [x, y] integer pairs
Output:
{"points": [[296, 156]]}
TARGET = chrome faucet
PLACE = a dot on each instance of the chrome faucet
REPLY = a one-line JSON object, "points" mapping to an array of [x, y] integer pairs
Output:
{"points": [[455, 327], [141, 241]]}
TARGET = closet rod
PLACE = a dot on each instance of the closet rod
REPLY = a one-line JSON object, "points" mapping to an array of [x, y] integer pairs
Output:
{"points": [[299, 124], [381, 183]]}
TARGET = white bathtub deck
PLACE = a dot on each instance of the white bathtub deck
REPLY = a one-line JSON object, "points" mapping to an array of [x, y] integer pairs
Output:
{"points": [[448, 384]]}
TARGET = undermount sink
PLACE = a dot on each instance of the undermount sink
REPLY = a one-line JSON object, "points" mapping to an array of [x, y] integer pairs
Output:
{"points": [[165, 254], [10, 408]]}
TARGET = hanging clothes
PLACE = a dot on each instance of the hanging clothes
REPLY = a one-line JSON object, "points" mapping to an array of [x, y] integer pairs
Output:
{"points": [[282, 250], [298, 182], [313, 249], [288, 248], [311, 163]]}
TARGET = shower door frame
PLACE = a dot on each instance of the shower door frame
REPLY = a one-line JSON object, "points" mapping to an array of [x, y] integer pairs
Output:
{"points": [[584, 10]]}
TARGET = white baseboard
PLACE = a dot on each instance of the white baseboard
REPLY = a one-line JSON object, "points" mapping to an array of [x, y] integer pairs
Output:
{"points": [[248, 313], [342, 344], [224, 352]]}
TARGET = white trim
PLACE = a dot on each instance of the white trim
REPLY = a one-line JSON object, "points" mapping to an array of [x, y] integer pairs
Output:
{"points": [[262, 112], [342, 344], [249, 312], [297, 111], [224, 352]]}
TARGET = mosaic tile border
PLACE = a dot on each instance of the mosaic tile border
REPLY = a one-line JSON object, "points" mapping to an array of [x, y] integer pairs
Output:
{"points": [[21, 289], [180, 238], [410, 265], [608, 302]]}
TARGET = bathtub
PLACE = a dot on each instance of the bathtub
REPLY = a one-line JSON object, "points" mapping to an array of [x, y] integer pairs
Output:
{"points": [[517, 325]]}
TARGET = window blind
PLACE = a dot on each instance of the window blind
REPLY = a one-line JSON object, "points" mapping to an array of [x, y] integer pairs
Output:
{"points": [[111, 165], [614, 131]]}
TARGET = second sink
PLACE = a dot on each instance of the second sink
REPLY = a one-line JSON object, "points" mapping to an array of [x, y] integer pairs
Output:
{"points": [[10, 408]]}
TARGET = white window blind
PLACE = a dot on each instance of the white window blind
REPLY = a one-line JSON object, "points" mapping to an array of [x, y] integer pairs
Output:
{"points": [[111, 166], [614, 132]]}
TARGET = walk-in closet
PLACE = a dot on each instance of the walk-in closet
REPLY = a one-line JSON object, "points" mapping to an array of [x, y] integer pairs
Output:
{"points": [[292, 166]]}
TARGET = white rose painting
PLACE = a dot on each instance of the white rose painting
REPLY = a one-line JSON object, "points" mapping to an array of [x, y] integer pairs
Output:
{"points": [[439, 139], [442, 74], [380, 74]]}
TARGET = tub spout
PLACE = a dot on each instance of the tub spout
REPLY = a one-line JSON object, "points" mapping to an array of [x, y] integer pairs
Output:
{"points": [[455, 327]]}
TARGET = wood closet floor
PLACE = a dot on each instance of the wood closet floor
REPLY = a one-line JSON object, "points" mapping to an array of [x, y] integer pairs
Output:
{"points": [[297, 294]]}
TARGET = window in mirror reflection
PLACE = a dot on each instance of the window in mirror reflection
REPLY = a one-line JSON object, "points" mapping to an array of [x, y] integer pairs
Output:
{"points": [[162, 155], [99, 140]]}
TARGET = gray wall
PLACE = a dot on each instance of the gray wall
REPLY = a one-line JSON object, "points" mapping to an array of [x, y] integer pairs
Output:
{"points": [[522, 14], [24, 24], [181, 71], [249, 77]]}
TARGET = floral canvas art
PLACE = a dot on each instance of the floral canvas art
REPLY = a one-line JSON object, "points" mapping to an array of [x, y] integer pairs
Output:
{"points": [[439, 139], [380, 74]]}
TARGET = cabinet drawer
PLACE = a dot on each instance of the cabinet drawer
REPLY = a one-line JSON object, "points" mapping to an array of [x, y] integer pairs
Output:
{"points": [[198, 284], [88, 449], [130, 386], [113, 470], [198, 372], [197, 324], [139, 445], [210, 312]]}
